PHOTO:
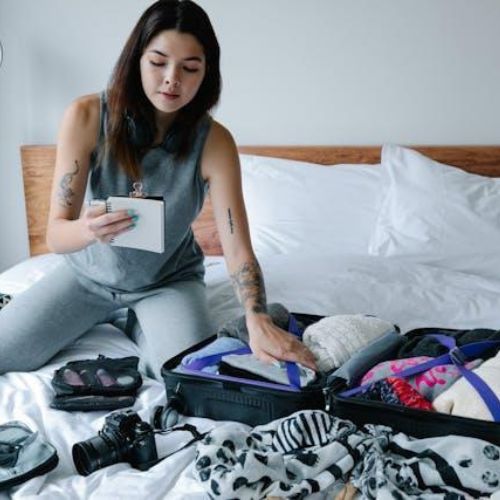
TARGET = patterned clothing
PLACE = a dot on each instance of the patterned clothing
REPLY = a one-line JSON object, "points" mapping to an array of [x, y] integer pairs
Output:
{"points": [[429, 383], [311, 452]]}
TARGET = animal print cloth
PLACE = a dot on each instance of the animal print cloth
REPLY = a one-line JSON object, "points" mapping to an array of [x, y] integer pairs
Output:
{"points": [[4, 299], [311, 452]]}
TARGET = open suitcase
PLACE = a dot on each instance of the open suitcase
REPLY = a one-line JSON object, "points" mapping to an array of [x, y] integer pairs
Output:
{"points": [[228, 398]]}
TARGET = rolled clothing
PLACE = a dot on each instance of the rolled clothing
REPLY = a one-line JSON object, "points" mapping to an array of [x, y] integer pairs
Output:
{"points": [[462, 398], [396, 391], [334, 339], [238, 327], [375, 352]]}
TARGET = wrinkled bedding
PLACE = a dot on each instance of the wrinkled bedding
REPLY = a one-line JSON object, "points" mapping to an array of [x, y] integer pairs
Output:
{"points": [[410, 295]]}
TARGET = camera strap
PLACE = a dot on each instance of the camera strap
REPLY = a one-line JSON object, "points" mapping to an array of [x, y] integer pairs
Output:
{"points": [[197, 436]]}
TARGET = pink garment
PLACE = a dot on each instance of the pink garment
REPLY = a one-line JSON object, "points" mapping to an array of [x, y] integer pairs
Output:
{"points": [[429, 384]]}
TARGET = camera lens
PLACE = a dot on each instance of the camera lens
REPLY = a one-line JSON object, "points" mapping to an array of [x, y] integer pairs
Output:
{"points": [[95, 453]]}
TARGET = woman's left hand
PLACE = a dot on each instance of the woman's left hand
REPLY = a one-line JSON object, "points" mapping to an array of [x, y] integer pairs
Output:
{"points": [[271, 343]]}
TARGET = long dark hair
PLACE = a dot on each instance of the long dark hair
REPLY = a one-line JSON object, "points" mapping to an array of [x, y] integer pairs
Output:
{"points": [[126, 100]]}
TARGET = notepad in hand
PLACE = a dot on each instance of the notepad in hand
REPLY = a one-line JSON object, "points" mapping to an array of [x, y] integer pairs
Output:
{"points": [[148, 233]]}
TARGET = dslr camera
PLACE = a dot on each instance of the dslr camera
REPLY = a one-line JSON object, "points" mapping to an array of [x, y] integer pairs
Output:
{"points": [[123, 438]]}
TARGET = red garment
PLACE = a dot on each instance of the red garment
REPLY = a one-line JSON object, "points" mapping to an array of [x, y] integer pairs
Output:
{"points": [[407, 395]]}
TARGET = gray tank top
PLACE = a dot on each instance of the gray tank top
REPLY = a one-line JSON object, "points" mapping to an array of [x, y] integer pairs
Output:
{"points": [[181, 185]]}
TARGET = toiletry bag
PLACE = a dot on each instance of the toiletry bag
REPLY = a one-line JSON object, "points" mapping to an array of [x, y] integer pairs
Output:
{"points": [[96, 384]]}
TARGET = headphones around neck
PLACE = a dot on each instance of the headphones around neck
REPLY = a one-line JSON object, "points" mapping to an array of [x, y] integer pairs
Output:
{"points": [[142, 135]]}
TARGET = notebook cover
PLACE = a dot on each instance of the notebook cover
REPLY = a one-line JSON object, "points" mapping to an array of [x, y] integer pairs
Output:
{"points": [[149, 233]]}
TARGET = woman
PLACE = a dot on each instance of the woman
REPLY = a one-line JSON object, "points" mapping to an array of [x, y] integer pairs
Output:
{"points": [[151, 126]]}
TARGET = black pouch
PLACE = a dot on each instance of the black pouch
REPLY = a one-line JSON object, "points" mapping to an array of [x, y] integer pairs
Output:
{"points": [[23, 454], [96, 384]]}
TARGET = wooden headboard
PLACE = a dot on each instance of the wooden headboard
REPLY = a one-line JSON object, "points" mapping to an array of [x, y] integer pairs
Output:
{"points": [[38, 165]]}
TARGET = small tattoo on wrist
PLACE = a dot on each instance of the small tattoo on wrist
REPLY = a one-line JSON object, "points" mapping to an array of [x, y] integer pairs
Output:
{"points": [[231, 223]]}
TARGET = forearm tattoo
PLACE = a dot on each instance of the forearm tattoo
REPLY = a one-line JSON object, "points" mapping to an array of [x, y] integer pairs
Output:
{"points": [[66, 194], [230, 218], [249, 285]]}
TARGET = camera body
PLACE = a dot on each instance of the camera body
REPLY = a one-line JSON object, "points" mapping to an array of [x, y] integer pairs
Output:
{"points": [[125, 437]]}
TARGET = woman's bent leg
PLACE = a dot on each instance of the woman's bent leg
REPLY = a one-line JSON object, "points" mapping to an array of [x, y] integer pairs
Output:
{"points": [[38, 323], [173, 319]]}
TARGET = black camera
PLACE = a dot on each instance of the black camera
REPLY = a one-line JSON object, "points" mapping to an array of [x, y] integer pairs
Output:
{"points": [[123, 438]]}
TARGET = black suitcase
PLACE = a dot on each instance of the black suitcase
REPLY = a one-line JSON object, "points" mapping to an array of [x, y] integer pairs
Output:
{"points": [[200, 396], [234, 399]]}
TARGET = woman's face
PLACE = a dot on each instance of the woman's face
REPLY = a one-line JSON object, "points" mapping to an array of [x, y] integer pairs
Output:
{"points": [[172, 69]]}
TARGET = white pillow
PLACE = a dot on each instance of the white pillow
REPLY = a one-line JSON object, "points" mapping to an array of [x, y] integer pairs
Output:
{"points": [[435, 213], [20, 277], [298, 207]]}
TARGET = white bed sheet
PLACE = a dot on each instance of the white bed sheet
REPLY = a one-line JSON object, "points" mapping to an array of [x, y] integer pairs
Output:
{"points": [[410, 295]]}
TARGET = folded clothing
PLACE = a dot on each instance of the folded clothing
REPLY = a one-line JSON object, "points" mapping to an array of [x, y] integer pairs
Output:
{"points": [[360, 362], [334, 339], [396, 391], [96, 384], [248, 366], [218, 346], [462, 398], [238, 327], [429, 383], [24, 454]]}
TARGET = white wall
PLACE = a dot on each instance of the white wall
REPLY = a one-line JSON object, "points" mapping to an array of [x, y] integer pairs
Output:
{"points": [[295, 72]]}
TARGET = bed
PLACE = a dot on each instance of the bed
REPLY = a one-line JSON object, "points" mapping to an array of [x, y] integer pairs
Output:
{"points": [[337, 230]]}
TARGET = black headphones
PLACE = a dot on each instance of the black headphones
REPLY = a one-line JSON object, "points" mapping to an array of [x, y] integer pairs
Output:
{"points": [[165, 417], [142, 135]]}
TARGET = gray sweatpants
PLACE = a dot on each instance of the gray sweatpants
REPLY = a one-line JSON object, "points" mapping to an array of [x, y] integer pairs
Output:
{"points": [[58, 309]]}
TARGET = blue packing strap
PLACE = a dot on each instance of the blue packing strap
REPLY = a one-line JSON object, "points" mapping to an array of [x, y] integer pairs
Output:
{"points": [[212, 359], [458, 356], [292, 369]]}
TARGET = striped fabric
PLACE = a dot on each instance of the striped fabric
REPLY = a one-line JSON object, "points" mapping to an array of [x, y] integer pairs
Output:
{"points": [[303, 430]]}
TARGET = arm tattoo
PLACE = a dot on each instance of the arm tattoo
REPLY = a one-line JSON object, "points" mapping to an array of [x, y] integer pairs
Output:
{"points": [[231, 223], [249, 285], [66, 194]]}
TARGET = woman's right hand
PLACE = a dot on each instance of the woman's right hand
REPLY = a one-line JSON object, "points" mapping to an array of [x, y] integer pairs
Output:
{"points": [[103, 226]]}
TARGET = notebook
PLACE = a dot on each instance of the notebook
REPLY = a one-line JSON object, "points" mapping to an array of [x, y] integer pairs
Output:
{"points": [[148, 234]]}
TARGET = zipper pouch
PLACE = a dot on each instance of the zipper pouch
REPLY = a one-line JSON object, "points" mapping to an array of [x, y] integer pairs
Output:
{"points": [[98, 384]]}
